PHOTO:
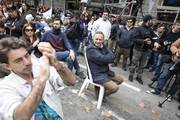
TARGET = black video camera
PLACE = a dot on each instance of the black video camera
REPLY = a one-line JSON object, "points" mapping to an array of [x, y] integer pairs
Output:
{"points": [[9, 25], [175, 67], [35, 50], [166, 45]]}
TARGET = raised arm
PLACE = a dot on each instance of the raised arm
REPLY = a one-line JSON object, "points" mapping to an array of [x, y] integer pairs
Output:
{"points": [[29, 105], [67, 76]]}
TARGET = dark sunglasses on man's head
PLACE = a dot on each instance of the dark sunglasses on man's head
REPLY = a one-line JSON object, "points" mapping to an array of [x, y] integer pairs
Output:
{"points": [[28, 30], [129, 21]]}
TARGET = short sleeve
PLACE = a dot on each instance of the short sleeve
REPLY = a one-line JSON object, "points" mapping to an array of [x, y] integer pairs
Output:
{"points": [[9, 100], [55, 79]]}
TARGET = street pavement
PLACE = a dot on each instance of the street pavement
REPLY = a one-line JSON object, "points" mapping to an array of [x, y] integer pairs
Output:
{"points": [[131, 102]]}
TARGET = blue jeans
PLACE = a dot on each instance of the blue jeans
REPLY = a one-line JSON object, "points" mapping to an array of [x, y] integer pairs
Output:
{"points": [[164, 77], [75, 45], [64, 56], [155, 59], [158, 67]]}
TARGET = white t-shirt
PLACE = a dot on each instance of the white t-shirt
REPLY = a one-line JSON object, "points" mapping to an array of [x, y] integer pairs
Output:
{"points": [[14, 90], [84, 1], [103, 26]]}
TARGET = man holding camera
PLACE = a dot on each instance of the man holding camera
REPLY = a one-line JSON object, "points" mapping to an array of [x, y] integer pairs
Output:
{"points": [[29, 92], [14, 22], [175, 69], [142, 43], [165, 73], [175, 49], [165, 54]]}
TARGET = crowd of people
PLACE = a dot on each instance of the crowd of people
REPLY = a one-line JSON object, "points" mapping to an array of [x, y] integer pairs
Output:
{"points": [[32, 48]]}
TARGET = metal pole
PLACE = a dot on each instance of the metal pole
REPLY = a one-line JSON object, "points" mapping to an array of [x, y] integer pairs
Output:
{"points": [[131, 9], [177, 14], [52, 4]]}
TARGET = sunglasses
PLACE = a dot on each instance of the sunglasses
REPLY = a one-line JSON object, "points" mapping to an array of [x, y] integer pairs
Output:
{"points": [[130, 21], [29, 30]]}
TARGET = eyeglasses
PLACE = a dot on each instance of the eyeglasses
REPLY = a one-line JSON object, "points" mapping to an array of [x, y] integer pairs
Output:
{"points": [[29, 30]]}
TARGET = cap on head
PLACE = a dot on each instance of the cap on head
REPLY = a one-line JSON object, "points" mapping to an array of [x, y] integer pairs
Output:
{"points": [[68, 15]]}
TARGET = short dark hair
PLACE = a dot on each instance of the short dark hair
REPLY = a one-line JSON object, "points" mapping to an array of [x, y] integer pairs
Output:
{"points": [[58, 19], [131, 18], [10, 43], [147, 18]]}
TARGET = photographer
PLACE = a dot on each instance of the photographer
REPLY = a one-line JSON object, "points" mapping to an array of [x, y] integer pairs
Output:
{"points": [[142, 43], [162, 73], [161, 31], [31, 87], [166, 74], [175, 49], [74, 33], [14, 22]]}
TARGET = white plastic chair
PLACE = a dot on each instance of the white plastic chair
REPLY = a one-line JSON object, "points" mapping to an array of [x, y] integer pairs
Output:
{"points": [[89, 80]]}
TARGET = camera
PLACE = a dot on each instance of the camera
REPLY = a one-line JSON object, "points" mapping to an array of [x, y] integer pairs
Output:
{"points": [[175, 67], [35, 50], [9, 25]]}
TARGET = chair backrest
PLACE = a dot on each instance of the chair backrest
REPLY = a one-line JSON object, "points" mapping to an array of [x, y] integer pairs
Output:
{"points": [[87, 64]]}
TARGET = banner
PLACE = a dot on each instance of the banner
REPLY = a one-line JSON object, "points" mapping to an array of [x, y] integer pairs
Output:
{"points": [[84, 1], [48, 14], [151, 5]]}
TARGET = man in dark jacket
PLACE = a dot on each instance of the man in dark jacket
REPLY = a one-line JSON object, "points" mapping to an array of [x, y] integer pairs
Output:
{"points": [[74, 33], [14, 22], [60, 43], [125, 40], [99, 57], [166, 73], [3, 71], [113, 36], [142, 43]]}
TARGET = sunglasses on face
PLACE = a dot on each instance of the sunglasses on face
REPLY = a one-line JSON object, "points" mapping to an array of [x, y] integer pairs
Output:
{"points": [[29, 30]]}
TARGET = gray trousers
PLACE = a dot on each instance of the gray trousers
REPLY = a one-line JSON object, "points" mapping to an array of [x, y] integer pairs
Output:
{"points": [[138, 63], [125, 52]]}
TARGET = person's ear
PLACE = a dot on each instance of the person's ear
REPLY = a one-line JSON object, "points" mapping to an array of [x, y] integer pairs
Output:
{"points": [[5, 66]]}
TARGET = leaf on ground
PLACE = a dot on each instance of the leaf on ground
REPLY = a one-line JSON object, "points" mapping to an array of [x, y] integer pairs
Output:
{"points": [[141, 104], [156, 113], [87, 109], [75, 91], [106, 114]]}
